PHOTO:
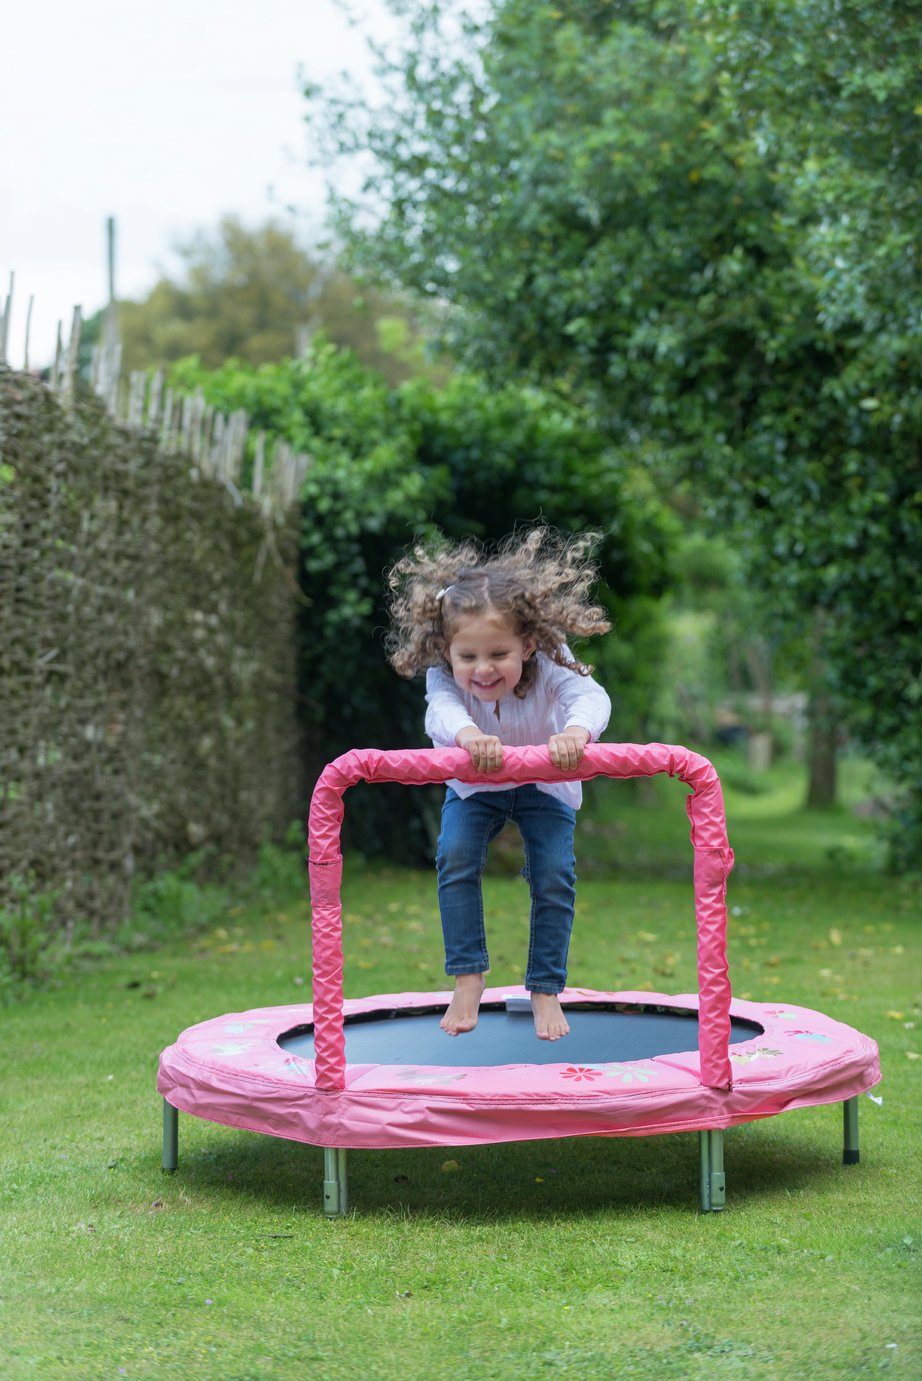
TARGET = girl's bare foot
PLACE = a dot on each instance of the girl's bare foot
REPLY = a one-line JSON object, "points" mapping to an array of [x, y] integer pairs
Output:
{"points": [[550, 1022], [464, 1007]]}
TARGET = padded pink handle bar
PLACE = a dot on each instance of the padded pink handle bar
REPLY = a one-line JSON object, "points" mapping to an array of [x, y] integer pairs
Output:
{"points": [[421, 766]]}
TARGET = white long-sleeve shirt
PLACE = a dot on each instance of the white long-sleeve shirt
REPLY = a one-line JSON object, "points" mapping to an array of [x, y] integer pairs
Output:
{"points": [[557, 699]]}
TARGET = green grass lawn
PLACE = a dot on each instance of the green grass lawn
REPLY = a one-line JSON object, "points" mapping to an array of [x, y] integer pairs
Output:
{"points": [[584, 1258]]}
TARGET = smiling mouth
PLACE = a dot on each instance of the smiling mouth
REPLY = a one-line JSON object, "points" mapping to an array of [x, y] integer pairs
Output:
{"points": [[488, 685]]}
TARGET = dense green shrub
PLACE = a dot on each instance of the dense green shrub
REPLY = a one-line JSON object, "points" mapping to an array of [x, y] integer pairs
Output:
{"points": [[466, 458]]}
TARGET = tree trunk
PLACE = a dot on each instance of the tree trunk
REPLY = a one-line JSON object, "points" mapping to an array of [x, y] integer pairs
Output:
{"points": [[822, 728], [822, 763]]}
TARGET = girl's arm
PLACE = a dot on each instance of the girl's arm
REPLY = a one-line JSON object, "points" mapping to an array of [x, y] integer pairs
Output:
{"points": [[587, 709], [446, 713], [449, 724]]}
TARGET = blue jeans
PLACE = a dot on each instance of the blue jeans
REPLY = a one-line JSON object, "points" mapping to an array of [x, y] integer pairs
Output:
{"points": [[546, 825]]}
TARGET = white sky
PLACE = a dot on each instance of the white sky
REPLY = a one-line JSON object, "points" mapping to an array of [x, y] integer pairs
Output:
{"points": [[164, 115]]}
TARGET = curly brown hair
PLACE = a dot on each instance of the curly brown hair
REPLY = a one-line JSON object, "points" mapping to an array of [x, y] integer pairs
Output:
{"points": [[538, 579]]}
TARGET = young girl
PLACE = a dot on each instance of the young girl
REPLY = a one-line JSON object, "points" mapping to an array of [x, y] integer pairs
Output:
{"points": [[490, 631]]}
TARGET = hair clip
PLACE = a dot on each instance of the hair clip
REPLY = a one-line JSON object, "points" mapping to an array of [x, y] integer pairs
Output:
{"points": [[442, 593]]}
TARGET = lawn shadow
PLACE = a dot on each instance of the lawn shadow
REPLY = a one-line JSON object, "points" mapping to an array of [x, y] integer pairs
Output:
{"points": [[513, 1180]]}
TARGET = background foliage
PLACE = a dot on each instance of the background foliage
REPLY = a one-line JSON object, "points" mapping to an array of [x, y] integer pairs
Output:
{"points": [[257, 295], [704, 220]]}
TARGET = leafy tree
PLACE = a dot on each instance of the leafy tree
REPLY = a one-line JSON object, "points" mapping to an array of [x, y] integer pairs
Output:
{"points": [[704, 218], [257, 295], [389, 465]]}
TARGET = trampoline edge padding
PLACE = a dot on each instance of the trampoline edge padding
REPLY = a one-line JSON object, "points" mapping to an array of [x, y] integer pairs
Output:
{"points": [[231, 1070]]}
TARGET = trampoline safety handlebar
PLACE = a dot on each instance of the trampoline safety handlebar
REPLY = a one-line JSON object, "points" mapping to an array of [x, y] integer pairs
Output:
{"points": [[426, 766]]}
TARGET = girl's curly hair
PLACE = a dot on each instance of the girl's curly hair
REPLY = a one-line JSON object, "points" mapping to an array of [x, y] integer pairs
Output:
{"points": [[538, 579]]}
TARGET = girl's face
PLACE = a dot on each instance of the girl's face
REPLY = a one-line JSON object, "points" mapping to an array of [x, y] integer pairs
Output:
{"points": [[487, 656]]}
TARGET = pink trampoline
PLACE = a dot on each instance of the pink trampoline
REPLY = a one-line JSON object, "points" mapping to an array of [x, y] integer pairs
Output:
{"points": [[379, 1072]]}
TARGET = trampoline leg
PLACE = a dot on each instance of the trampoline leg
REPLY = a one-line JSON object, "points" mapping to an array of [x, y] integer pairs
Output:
{"points": [[713, 1180], [850, 1155], [170, 1138], [335, 1183]]}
